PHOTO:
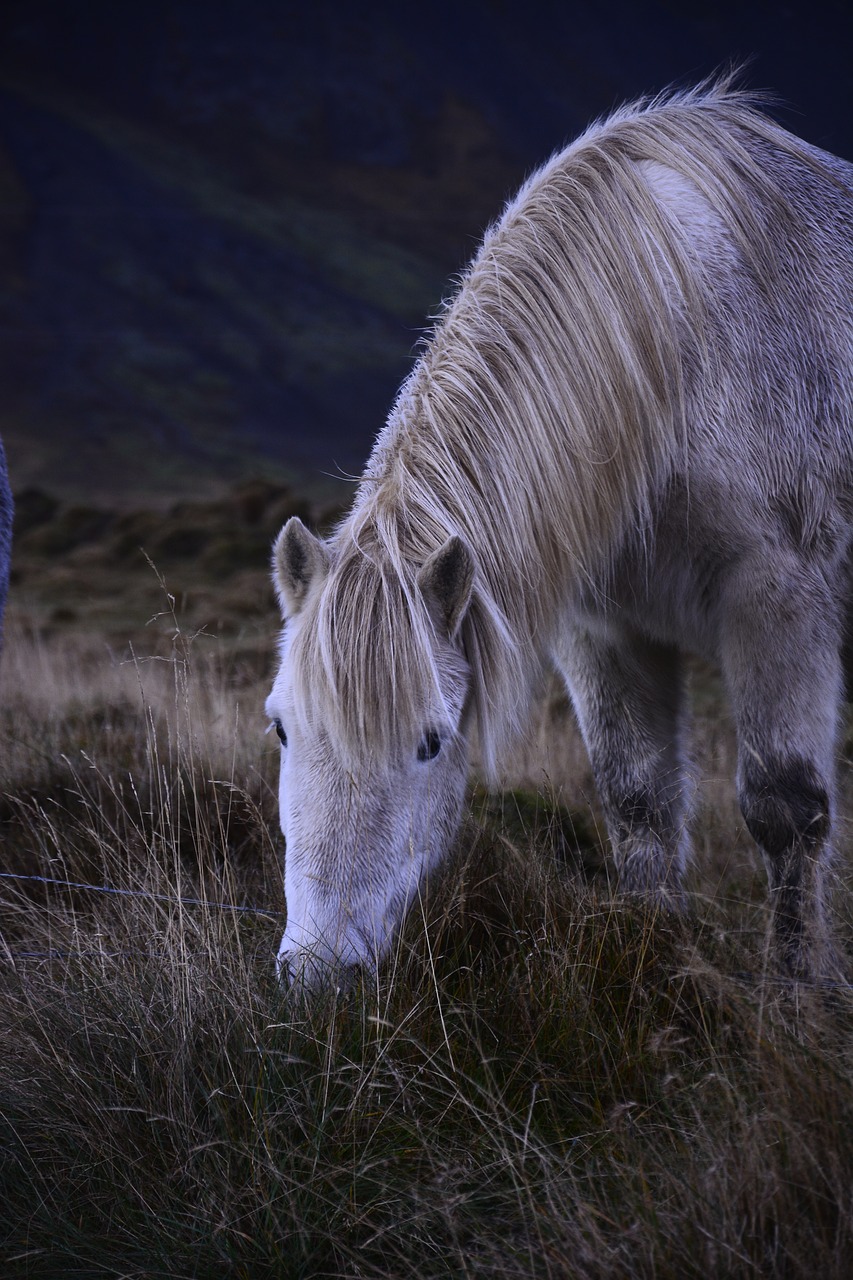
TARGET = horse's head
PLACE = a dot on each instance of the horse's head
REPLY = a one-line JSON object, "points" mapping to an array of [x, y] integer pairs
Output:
{"points": [[371, 705]]}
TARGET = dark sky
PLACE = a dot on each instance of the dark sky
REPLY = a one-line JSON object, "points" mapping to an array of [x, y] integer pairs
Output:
{"points": [[222, 225], [542, 67]]}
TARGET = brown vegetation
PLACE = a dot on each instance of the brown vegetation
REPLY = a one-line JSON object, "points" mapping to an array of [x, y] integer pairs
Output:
{"points": [[544, 1081]]}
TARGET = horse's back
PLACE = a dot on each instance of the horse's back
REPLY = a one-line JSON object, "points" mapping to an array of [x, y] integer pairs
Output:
{"points": [[840, 170]]}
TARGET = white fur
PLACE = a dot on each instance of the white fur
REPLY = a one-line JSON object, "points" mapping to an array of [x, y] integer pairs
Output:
{"points": [[633, 424]]}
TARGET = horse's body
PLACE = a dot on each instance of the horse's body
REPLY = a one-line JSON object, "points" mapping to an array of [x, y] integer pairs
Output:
{"points": [[629, 436], [6, 509]]}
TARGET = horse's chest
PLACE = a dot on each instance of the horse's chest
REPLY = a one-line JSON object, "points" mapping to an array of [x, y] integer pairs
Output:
{"points": [[672, 582], [668, 581], [670, 593]]}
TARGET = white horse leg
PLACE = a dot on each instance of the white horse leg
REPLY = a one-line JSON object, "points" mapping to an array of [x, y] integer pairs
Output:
{"points": [[628, 697], [781, 661]]}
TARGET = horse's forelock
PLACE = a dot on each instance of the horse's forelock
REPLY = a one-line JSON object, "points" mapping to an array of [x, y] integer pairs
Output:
{"points": [[363, 661]]}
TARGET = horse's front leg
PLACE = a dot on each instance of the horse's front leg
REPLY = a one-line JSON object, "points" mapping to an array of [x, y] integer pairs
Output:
{"points": [[628, 696], [781, 640]]}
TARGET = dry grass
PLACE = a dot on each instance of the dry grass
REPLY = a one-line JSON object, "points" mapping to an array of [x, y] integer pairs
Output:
{"points": [[544, 1081]]}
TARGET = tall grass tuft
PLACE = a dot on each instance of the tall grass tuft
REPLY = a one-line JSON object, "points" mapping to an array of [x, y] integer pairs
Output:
{"points": [[543, 1082]]}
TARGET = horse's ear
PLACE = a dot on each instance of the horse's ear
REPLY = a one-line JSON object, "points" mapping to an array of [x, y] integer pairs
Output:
{"points": [[299, 559], [446, 581]]}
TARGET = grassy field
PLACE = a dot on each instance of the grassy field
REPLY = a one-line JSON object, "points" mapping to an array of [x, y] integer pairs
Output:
{"points": [[545, 1082]]}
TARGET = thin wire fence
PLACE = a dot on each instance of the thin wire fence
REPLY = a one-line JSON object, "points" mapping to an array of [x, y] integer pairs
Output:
{"points": [[141, 893], [57, 954]]}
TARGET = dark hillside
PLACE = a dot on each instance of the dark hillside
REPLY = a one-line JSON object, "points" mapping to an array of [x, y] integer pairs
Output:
{"points": [[222, 227]]}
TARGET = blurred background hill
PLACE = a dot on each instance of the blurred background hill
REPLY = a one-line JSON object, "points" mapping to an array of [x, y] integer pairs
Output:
{"points": [[223, 226]]}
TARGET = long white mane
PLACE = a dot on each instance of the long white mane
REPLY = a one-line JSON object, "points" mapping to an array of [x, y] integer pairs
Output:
{"points": [[544, 414]]}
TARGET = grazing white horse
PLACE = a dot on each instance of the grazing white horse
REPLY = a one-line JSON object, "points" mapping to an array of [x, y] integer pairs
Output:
{"points": [[629, 435]]}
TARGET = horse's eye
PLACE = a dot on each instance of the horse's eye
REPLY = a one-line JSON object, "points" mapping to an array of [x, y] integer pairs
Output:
{"points": [[279, 728], [429, 746]]}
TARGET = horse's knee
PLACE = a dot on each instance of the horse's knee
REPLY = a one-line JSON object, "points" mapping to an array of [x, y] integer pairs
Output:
{"points": [[638, 810], [786, 806], [651, 852]]}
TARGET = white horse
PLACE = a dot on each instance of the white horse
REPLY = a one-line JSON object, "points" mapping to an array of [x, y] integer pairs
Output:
{"points": [[628, 436]]}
